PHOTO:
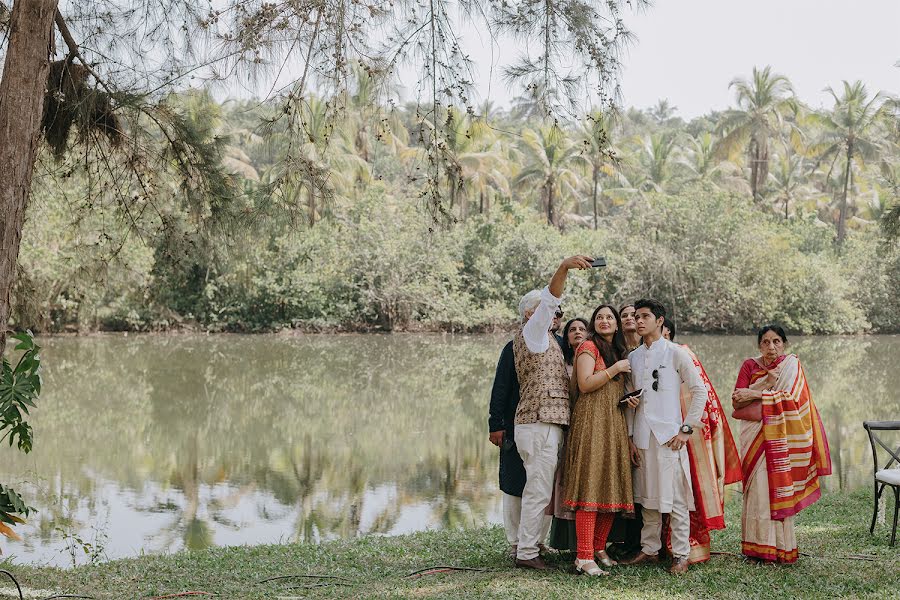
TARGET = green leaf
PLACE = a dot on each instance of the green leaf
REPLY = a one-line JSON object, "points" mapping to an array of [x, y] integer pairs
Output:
{"points": [[26, 342]]}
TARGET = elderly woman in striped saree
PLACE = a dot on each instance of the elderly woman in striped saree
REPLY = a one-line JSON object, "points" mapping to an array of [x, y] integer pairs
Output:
{"points": [[783, 448]]}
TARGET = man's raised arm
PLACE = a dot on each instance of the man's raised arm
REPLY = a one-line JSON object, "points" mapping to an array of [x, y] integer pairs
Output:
{"points": [[535, 331]]}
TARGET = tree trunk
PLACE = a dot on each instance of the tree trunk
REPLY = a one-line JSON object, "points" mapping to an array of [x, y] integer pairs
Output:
{"points": [[451, 181], [763, 172], [842, 216], [754, 155], [312, 204], [595, 174], [550, 218], [759, 169], [21, 106]]}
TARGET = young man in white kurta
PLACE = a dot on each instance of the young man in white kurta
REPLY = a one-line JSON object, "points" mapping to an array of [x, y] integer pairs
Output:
{"points": [[662, 478]]}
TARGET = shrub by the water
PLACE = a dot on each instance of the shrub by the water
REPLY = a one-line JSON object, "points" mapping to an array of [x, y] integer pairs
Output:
{"points": [[717, 261]]}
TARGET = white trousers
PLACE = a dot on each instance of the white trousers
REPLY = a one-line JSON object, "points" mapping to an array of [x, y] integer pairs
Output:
{"points": [[665, 488], [539, 446], [512, 516]]}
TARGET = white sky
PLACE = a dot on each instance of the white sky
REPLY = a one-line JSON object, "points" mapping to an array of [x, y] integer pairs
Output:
{"points": [[689, 50]]}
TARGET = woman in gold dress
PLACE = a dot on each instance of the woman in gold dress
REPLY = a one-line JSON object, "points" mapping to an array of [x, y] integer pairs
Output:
{"points": [[597, 475]]}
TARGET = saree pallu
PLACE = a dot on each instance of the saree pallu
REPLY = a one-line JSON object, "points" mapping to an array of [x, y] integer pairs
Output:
{"points": [[715, 463], [783, 457]]}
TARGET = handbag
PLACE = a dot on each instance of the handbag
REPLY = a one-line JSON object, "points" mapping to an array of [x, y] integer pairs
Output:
{"points": [[749, 412]]}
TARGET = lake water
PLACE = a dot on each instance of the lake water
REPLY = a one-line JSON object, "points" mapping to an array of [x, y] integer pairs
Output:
{"points": [[159, 443]]}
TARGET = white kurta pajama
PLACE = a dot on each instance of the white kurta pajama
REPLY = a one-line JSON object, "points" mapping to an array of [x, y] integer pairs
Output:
{"points": [[539, 435], [662, 481], [512, 519]]}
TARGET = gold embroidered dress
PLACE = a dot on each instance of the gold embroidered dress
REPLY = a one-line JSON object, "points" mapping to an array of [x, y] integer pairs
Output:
{"points": [[597, 473]]}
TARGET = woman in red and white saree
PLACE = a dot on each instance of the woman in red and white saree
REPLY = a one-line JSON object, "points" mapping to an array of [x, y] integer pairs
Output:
{"points": [[783, 447]]}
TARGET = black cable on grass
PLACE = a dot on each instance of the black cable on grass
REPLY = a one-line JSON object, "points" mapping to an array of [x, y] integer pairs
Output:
{"points": [[318, 585], [182, 594], [10, 575], [442, 569], [67, 596], [277, 577]]}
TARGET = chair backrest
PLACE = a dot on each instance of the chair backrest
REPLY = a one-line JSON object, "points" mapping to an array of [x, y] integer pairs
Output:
{"points": [[874, 426]]}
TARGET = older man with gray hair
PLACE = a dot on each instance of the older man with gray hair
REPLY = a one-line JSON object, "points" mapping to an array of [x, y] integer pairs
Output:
{"points": [[543, 408]]}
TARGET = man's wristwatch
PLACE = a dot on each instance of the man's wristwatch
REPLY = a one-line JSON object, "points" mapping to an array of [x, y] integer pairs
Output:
{"points": [[686, 429]]}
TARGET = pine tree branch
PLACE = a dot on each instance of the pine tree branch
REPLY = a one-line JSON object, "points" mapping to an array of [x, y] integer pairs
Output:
{"points": [[75, 52]]}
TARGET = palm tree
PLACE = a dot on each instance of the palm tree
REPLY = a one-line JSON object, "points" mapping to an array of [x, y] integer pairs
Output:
{"points": [[548, 159], [598, 151], [535, 102], [316, 162], [365, 119], [488, 112], [454, 140], [317, 129], [788, 178], [850, 136], [889, 175], [655, 154], [663, 111], [759, 117], [700, 158], [482, 171], [472, 158], [701, 163]]}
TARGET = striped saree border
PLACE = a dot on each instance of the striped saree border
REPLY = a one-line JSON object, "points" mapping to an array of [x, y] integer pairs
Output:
{"points": [[769, 553]]}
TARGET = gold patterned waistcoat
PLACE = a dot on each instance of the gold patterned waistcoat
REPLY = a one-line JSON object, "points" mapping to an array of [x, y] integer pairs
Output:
{"points": [[543, 384]]}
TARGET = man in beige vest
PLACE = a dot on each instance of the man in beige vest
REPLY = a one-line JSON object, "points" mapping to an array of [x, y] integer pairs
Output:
{"points": [[543, 408]]}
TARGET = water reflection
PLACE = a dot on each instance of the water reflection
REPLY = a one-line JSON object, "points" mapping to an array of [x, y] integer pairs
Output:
{"points": [[157, 444]]}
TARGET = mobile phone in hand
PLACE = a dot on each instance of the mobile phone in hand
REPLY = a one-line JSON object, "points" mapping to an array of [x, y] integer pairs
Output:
{"points": [[635, 393], [600, 261]]}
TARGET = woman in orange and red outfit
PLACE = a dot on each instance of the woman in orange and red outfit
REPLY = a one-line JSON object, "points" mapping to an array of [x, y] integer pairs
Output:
{"points": [[597, 476]]}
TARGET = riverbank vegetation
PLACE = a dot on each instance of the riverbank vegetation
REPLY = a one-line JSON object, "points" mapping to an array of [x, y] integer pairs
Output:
{"points": [[770, 210], [839, 560]]}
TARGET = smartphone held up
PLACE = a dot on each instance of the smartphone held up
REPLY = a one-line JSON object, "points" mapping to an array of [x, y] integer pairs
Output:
{"points": [[600, 261]]}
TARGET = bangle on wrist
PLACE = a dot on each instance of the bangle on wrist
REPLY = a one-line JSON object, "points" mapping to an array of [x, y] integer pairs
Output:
{"points": [[608, 376]]}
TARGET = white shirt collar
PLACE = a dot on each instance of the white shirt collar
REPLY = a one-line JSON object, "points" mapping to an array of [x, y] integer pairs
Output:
{"points": [[655, 345]]}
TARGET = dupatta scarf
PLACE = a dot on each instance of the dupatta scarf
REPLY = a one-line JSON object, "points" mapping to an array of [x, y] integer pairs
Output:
{"points": [[792, 439]]}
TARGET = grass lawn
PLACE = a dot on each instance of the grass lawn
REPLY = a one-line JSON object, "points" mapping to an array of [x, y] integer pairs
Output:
{"points": [[829, 533]]}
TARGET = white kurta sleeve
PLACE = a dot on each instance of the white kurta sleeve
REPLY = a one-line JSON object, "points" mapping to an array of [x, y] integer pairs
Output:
{"points": [[536, 329], [690, 375]]}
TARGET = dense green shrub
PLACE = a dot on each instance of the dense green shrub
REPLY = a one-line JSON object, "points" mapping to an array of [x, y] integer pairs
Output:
{"points": [[717, 261], [722, 265]]}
